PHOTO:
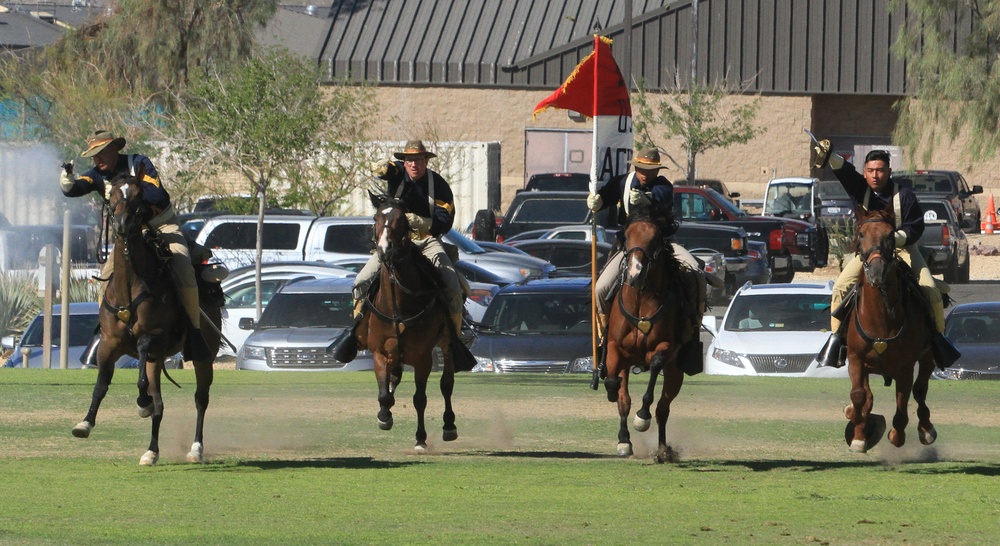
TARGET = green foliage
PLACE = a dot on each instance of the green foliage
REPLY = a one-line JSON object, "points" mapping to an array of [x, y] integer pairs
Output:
{"points": [[840, 234], [958, 80], [696, 117], [19, 302]]}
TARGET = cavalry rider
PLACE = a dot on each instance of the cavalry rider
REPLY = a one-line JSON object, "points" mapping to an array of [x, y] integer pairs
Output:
{"points": [[431, 205], [643, 188], [103, 148], [874, 190]]}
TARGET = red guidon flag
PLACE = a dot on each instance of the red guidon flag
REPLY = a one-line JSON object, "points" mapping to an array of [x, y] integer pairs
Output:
{"points": [[597, 89]]}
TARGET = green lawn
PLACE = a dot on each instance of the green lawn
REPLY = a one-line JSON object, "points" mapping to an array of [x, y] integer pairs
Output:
{"points": [[297, 458]]}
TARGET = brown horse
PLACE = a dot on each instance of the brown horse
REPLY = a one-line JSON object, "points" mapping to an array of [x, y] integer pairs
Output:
{"points": [[888, 332], [646, 328], [142, 316], [407, 320]]}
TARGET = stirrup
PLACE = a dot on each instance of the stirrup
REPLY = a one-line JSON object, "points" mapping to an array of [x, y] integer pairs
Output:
{"points": [[945, 353], [833, 352]]}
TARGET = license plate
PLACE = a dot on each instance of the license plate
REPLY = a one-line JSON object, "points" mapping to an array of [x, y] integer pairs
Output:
{"points": [[833, 210]]}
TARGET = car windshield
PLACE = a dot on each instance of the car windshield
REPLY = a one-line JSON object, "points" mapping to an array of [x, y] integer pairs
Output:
{"points": [[539, 313], [784, 312], [973, 328], [832, 189], [551, 211], [926, 182], [81, 330], [788, 198], [308, 311]]}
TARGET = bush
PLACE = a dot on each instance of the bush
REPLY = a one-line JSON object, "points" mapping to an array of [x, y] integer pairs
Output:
{"points": [[19, 303]]}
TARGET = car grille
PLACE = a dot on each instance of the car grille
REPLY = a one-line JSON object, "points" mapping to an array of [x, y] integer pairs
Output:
{"points": [[533, 366], [780, 363], [302, 357]]}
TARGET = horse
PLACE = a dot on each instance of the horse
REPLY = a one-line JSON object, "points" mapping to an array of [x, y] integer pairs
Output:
{"points": [[887, 335], [646, 328], [141, 315], [408, 319]]}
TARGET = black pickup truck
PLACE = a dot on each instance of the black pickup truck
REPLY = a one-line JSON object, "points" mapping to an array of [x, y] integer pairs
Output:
{"points": [[792, 245], [950, 185], [731, 241], [943, 245]]}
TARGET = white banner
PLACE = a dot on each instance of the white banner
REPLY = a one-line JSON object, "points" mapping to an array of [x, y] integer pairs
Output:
{"points": [[612, 149]]}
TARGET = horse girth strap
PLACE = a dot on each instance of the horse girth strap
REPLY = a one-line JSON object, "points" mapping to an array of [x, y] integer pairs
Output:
{"points": [[643, 324], [125, 313], [400, 323]]}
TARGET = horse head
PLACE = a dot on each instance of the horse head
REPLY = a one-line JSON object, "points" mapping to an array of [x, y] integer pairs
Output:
{"points": [[392, 230], [644, 244], [876, 244], [128, 210]]}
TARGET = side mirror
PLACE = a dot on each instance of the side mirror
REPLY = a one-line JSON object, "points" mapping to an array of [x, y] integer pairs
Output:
{"points": [[734, 194], [709, 323], [9, 342], [247, 323]]}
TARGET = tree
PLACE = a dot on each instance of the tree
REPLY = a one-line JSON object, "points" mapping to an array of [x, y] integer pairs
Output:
{"points": [[696, 117], [957, 80], [267, 120]]}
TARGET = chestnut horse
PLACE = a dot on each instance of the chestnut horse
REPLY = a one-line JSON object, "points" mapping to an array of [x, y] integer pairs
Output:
{"points": [[888, 332], [408, 319], [142, 316], [646, 328]]}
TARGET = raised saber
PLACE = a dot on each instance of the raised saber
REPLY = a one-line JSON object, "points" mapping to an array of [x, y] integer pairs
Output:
{"points": [[812, 136]]}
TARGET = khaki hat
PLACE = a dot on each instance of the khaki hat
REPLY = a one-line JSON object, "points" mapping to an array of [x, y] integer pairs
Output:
{"points": [[648, 159], [414, 147], [101, 140]]}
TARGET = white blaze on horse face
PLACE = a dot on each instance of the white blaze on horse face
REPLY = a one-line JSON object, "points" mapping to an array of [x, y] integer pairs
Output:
{"points": [[383, 239], [634, 266]]}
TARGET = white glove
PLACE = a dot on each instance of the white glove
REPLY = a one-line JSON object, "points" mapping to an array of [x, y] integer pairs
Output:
{"points": [[900, 238], [417, 222], [66, 180], [594, 202], [639, 198], [107, 191], [381, 168]]}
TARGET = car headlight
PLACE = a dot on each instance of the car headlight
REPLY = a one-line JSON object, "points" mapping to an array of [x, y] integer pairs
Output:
{"points": [[582, 365], [252, 352], [483, 364], [727, 357]]}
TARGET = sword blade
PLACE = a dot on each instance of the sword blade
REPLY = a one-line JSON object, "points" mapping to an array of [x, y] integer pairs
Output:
{"points": [[812, 136]]}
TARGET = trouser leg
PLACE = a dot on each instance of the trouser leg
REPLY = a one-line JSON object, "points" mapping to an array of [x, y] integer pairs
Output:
{"points": [[911, 255], [847, 279], [366, 276], [607, 282], [434, 251]]}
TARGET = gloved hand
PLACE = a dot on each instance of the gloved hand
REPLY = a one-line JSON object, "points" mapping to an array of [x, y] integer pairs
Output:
{"points": [[639, 198], [900, 236], [594, 202], [825, 156], [107, 191], [418, 223], [381, 168], [66, 177]]}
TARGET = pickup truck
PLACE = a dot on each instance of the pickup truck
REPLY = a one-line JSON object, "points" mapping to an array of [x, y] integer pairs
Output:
{"points": [[950, 185], [233, 240], [799, 198], [535, 210], [731, 241], [943, 244], [792, 245]]}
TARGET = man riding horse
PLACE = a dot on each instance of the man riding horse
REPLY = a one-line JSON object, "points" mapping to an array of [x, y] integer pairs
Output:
{"points": [[431, 212], [875, 190], [641, 191], [103, 148]]}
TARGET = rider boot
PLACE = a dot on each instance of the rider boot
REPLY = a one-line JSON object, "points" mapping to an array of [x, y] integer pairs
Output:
{"points": [[89, 357], [461, 356], [345, 346], [833, 353], [945, 353], [195, 348], [600, 370]]}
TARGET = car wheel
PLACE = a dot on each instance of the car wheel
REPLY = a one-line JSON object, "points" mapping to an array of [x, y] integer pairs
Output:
{"points": [[963, 271], [951, 272]]}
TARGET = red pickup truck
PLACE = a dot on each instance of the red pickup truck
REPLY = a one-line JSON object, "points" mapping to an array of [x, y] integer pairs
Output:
{"points": [[793, 245]]}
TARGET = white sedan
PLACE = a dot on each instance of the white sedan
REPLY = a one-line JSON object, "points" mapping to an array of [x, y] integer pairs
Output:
{"points": [[772, 330]]}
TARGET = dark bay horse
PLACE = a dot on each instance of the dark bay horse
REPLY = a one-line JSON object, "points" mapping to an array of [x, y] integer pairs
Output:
{"points": [[142, 316], [408, 319], [888, 332], [646, 328]]}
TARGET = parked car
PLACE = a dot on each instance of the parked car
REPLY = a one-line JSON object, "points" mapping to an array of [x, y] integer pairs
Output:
{"points": [[944, 245], [731, 241], [300, 322], [974, 328], [950, 185], [531, 210], [836, 205], [558, 182], [798, 198], [83, 320], [540, 326], [713, 263], [571, 233], [772, 329], [570, 257], [714, 184]]}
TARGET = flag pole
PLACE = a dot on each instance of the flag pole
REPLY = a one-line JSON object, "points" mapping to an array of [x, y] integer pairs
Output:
{"points": [[593, 233]]}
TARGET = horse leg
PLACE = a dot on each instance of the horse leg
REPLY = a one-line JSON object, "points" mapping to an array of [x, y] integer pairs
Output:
{"points": [[385, 397], [395, 376], [924, 427], [107, 354], [624, 447], [859, 408], [420, 375], [204, 375], [904, 385], [152, 368], [143, 402], [450, 431], [673, 378], [642, 417]]}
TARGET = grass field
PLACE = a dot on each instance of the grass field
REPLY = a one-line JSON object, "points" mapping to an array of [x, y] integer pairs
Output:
{"points": [[297, 458]]}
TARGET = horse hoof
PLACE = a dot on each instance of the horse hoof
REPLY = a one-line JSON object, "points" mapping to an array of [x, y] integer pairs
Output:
{"points": [[420, 447], [849, 411], [624, 449], [195, 455], [858, 446], [928, 436], [149, 458], [385, 425], [640, 424], [145, 411], [666, 455], [897, 438], [82, 429], [449, 435]]}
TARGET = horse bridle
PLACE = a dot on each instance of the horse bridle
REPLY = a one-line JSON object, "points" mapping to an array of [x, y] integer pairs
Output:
{"points": [[643, 324], [878, 343], [122, 228]]}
